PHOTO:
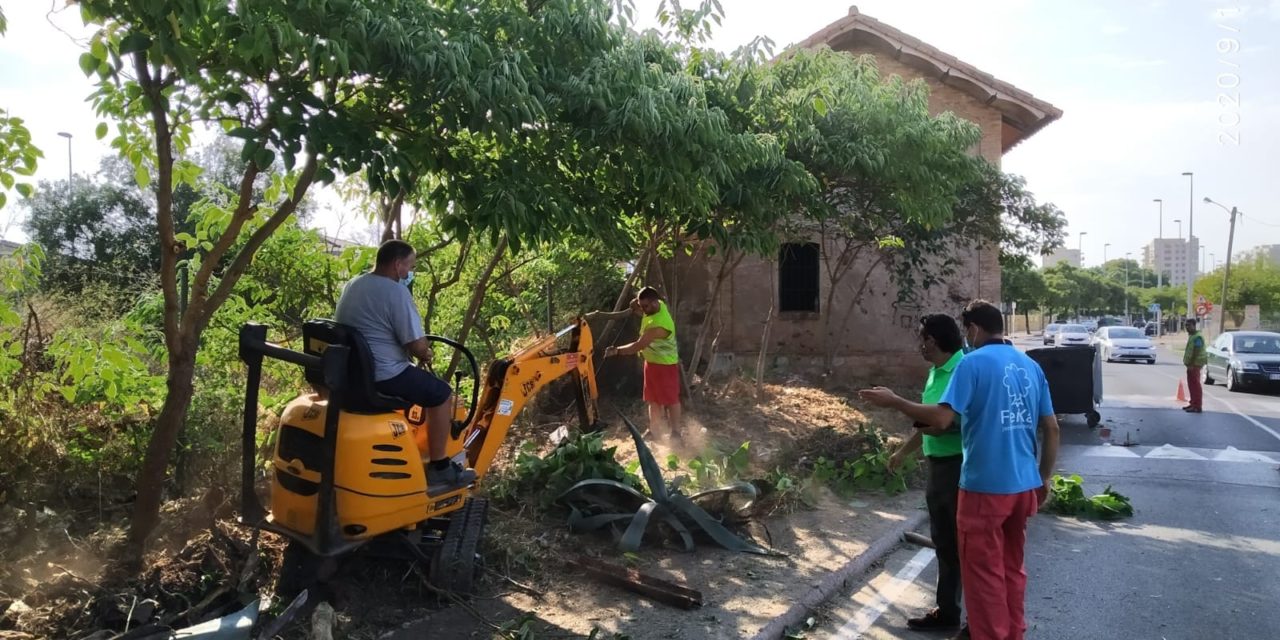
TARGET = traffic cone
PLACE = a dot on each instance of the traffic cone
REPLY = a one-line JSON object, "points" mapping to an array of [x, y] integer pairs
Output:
{"points": [[1182, 392]]}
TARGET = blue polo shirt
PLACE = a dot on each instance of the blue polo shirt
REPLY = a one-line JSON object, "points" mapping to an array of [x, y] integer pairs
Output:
{"points": [[1000, 395]]}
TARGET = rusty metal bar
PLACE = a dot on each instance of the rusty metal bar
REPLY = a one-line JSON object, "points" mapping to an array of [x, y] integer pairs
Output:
{"points": [[632, 580]]}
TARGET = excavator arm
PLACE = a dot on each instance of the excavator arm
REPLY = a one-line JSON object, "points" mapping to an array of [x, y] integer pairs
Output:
{"points": [[512, 381]]}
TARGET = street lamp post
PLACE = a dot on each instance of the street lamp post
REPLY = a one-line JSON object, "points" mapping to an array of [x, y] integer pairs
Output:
{"points": [[1127, 319], [1191, 231], [66, 135], [1155, 253], [1080, 245], [1179, 221], [1231, 236], [1104, 254]]}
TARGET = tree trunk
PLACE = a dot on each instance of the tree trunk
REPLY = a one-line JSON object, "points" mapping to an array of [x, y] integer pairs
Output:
{"points": [[764, 338], [624, 296], [726, 267], [151, 479], [477, 299]]}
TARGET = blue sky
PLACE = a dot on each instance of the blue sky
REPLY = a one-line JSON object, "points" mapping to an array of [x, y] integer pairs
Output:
{"points": [[1137, 80]]}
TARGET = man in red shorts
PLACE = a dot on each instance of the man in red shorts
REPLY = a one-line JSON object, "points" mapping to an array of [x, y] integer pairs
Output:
{"points": [[657, 345]]}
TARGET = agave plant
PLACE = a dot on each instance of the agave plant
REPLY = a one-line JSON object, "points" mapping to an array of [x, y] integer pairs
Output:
{"points": [[597, 503]]}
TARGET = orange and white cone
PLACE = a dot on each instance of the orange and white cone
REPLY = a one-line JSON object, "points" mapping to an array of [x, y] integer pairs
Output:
{"points": [[1182, 392]]}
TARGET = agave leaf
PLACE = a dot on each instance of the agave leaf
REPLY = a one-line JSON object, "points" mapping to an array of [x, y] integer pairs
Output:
{"points": [[725, 492], [634, 534], [648, 464], [675, 523], [725, 538], [579, 523]]}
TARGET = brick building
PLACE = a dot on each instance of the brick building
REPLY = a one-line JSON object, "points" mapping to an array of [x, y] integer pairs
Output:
{"points": [[878, 334]]}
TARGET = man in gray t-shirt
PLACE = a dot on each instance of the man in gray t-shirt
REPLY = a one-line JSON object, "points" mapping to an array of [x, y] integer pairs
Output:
{"points": [[378, 305]]}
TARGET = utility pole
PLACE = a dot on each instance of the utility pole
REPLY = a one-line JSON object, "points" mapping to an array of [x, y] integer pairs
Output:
{"points": [[1226, 275], [66, 135], [1155, 261], [1191, 233], [1127, 320]]}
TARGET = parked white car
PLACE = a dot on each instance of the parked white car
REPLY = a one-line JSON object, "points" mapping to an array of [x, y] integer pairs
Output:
{"points": [[1072, 335], [1124, 344]]}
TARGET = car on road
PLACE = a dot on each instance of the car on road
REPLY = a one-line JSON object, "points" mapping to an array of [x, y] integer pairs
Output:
{"points": [[1072, 335], [1150, 329], [1051, 332], [1091, 325], [1244, 359], [1124, 344]]}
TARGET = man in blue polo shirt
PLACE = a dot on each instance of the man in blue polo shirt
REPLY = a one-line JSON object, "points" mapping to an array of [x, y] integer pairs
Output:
{"points": [[1002, 398]]}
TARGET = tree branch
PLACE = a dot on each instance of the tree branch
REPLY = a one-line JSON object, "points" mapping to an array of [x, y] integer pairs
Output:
{"points": [[245, 256], [244, 211]]}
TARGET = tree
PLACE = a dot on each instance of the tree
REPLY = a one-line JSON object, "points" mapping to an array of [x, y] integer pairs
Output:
{"points": [[396, 89], [1023, 284], [1255, 281]]}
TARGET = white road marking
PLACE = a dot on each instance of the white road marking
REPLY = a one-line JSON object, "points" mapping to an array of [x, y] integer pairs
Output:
{"points": [[867, 616], [1232, 454], [1170, 452], [1111, 452], [1232, 407]]}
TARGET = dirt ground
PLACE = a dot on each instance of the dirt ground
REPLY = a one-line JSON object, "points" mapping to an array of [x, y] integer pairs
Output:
{"points": [[56, 583]]}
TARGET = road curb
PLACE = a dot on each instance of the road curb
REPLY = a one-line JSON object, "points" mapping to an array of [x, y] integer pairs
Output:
{"points": [[835, 581]]}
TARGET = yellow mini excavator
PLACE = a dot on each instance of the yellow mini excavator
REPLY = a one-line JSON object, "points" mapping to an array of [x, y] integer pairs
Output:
{"points": [[347, 470]]}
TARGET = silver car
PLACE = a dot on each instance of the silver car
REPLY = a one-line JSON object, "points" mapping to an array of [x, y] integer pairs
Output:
{"points": [[1050, 332], [1125, 344], [1072, 335]]}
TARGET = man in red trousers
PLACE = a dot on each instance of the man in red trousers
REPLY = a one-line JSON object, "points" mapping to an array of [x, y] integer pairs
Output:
{"points": [[1002, 399]]}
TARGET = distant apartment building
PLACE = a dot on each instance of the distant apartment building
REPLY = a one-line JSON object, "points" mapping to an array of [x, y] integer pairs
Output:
{"points": [[7, 247], [1268, 252], [1178, 259], [1069, 256]]}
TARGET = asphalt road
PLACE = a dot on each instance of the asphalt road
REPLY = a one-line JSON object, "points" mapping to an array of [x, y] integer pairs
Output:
{"points": [[1200, 559]]}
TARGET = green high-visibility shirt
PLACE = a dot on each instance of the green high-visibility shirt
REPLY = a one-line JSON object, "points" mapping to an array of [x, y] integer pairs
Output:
{"points": [[662, 350], [1195, 355], [947, 444]]}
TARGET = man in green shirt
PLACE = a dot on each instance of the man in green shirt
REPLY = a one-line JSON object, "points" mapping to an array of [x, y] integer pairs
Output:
{"points": [[1194, 357], [940, 344], [657, 345]]}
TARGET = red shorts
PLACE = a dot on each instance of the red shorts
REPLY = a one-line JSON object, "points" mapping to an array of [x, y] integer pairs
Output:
{"points": [[661, 383]]}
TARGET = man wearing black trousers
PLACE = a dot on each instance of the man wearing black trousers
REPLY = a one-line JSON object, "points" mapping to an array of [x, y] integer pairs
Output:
{"points": [[942, 345]]}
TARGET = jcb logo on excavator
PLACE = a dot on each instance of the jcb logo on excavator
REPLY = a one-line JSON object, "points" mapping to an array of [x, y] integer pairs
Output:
{"points": [[528, 385], [398, 429], [571, 361]]}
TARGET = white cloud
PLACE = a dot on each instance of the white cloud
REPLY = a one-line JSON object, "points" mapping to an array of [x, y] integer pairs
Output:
{"points": [[1114, 29]]}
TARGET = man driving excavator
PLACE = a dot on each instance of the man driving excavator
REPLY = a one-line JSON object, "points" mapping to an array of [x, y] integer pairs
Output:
{"points": [[378, 305]]}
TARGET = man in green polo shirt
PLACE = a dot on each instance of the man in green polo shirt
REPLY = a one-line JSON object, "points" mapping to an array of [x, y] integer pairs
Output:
{"points": [[940, 344]]}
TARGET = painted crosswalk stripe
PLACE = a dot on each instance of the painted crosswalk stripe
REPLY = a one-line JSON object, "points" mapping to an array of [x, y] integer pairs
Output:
{"points": [[1232, 454], [867, 616], [1171, 452]]}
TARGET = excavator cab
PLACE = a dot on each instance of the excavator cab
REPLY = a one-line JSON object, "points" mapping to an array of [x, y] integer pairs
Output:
{"points": [[347, 467]]}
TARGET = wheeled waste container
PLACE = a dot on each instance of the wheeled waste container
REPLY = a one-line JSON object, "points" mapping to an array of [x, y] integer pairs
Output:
{"points": [[1075, 379]]}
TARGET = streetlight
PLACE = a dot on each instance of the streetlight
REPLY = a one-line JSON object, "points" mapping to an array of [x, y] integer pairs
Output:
{"points": [[1231, 236], [1179, 221], [1104, 254], [1155, 253], [1127, 319], [1080, 246], [1191, 231], [66, 135]]}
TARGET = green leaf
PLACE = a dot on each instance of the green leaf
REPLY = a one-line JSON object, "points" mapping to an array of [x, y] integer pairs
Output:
{"points": [[245, 133], [88, 63], [6, 180], [142, 176], [101, 130], [134, 42], [24, 189]]}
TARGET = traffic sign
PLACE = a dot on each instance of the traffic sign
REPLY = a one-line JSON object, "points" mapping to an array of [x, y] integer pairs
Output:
{"points": [[1154, 307], [1200, 299]]}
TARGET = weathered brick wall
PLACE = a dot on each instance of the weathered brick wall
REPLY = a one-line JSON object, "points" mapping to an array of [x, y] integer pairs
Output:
{"points": [[870, 339]]}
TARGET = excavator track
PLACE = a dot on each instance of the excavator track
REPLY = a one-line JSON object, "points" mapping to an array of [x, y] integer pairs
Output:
{"points": [[453, 567]]}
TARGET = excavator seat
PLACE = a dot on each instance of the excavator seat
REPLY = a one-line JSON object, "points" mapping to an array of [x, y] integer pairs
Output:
{"points": [[362, 396]]}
